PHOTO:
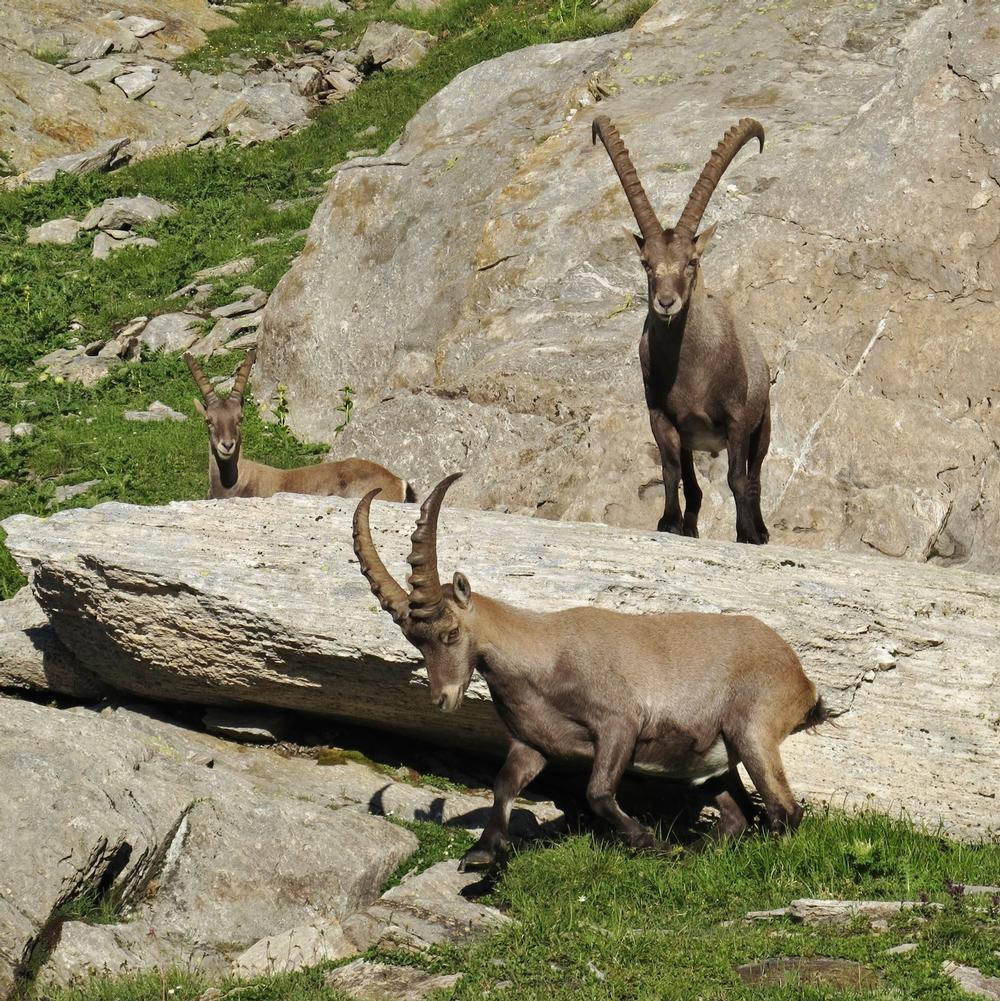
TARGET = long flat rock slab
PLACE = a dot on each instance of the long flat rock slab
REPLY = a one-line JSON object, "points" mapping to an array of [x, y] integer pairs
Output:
{"points": [[261, 601]]}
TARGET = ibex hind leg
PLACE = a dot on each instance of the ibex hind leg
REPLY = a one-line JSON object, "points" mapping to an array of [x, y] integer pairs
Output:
{"points": [[761, 757], [760, 441]]}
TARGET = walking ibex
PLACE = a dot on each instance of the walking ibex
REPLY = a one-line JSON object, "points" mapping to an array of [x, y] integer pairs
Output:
{"points": [[231, 476], [707, 383], [686, 696]]}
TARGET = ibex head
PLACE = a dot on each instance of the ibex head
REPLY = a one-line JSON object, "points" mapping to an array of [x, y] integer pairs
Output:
{"points": [[671, 256], [437, 620], [223, 417]]}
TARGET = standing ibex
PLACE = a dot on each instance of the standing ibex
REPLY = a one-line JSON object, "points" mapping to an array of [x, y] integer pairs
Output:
{"points": [[231, 476], [683, 695], [707, 384]]}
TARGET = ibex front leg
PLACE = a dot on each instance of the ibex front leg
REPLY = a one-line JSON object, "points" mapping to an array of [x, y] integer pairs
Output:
{"points": [[668, 441], [523, 764]]}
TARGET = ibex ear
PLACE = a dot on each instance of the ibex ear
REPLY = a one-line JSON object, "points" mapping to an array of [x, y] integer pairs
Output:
{"points": [[639, 239], [198, 406], [701, 240], [463, 591]]}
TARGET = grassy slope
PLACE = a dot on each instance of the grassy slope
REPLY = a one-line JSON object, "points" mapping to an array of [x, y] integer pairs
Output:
{"points": [[223, 199]]}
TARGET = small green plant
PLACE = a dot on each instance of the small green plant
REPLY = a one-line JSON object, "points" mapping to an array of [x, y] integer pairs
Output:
{"points": [[625, 307], [564, 13], [346, 407], [92, 907], [51, 56], [281, 406]]}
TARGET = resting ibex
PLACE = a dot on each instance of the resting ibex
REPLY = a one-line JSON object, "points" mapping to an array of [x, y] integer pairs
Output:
{"points": [[707, 384], [686, 695], [231, 476]]}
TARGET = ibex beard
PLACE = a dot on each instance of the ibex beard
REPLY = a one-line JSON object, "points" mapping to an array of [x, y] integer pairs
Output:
{"points": [[685, 695]]}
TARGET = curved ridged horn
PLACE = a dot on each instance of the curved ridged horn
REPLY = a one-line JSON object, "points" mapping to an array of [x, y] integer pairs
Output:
{"points": [[649, 225], [390, 595], [722, 156], [240, 383], [425, 585], [208, 393]]}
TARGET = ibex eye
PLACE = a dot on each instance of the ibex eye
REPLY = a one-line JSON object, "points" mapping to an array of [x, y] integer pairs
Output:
{"points": [[452, 637]]}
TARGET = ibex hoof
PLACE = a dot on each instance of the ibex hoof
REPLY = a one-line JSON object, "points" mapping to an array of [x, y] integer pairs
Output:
{"points": [[673, 527], [642, 840], [476, 858]]}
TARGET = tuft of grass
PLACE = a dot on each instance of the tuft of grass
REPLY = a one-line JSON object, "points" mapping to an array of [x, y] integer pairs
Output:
{"points": [[93, 907], [51, 56], [436, 843]]}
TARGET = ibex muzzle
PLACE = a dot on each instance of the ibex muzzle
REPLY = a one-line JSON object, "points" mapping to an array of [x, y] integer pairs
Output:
{"points": [[686, 696]]}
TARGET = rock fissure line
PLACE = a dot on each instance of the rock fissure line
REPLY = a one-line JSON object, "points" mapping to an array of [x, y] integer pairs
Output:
{"points": [[807, 442]]}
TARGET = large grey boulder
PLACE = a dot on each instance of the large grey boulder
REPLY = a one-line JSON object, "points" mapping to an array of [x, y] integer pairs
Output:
{"points": [[58, 231], [260, 602], [206, 848], [118, 213], [88, 162], [486, 249], [171, 332], [392, 46]]}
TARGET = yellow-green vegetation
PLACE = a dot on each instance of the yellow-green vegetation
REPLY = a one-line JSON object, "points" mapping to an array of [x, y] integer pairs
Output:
{"points": [[223, 199], [596, 921]]}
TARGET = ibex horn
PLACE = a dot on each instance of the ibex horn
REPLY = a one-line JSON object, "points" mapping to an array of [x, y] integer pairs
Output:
{"points": [[390, 595], [208, 393], [722, 156], [240, 382], [649, 225], [425, 586]]}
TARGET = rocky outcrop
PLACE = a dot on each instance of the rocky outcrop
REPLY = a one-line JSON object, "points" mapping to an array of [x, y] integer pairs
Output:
{"points": [[167, 848], [261, 602], [486, 249], [201, 848], [104, 88]]}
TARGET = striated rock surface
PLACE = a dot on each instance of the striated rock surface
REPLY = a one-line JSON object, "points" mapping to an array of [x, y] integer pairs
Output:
{"points": [[201, 847], [32, 657], [862, 249], [261, 602]]}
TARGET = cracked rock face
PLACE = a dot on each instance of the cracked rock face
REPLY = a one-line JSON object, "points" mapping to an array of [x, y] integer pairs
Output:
{"points": [[260, 602], [486, 248], [208, 847]]}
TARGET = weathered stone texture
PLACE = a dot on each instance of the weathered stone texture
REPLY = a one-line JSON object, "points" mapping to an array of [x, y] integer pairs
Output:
{"points": [[261, 602], [486, 250], [209, 847]]}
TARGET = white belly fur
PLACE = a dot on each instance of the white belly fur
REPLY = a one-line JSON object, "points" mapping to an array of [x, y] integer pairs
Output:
{"points": [[715, 761]]}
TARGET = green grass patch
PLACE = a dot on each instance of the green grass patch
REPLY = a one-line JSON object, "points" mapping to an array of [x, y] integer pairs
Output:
{"points": [[399, 772], [437, 843], [50, 56], [93, 907], [596, 921]]}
